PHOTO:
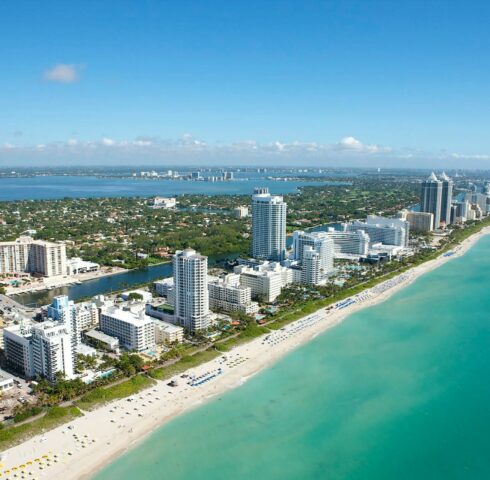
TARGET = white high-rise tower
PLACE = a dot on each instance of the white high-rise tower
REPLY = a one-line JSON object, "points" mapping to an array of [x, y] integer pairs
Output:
{"points": [[268, 225], [191, 289]]}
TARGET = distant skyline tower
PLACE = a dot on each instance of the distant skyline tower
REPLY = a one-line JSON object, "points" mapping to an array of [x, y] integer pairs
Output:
{"points": [[446, 198], [431, 197], [191, 289], [268, 225]]}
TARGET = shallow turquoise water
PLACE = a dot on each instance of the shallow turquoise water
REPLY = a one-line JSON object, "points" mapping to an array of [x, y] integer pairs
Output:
{"points": [[398, 391]]}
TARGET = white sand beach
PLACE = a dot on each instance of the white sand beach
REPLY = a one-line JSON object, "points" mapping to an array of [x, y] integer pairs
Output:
{"points": [[78, 449]]}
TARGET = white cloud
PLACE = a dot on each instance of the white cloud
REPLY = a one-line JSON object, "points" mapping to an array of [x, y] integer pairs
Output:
{"points": [[8, 146], [108, 142], [354, 145], [63, 73]]}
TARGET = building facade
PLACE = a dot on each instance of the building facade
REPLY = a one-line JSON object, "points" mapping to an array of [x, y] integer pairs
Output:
{"points": [[446, 199], [190, 271], [349, 243], [388, 231], [431, 198], [135, 331], [268, 226], [227, 294], [26, 255]]}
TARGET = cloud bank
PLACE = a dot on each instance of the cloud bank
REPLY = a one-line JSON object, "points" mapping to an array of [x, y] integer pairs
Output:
{"points": [[145, 150]]}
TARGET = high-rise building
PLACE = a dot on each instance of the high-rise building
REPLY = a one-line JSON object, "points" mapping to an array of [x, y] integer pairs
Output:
{"points": [[446, 198], [480, 199], [26, 255], [321, 243], [311, 266], [388, 231], [191, 289], [268, 225], [431, 198], [419, 221]]}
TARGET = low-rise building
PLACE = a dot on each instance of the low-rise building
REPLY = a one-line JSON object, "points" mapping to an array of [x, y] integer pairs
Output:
{"points": [[101, 339], [167, 332], [265, 280], [76, 265], [6, 381], [164, 202], [145, 296], [228, 295], [134, 331]]}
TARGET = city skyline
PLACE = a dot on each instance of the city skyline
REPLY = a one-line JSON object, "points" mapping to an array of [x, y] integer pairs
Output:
{"points": [[369, 84]]}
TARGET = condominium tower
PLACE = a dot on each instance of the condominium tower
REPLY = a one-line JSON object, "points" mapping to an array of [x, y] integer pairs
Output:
{"points": [[446, 198], [268, 225], [431, 198], [26, 255], [191, 289]]}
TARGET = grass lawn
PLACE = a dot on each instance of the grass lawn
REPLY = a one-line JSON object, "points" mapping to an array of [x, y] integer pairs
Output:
{"points": [[10, 436], [121, 390]]}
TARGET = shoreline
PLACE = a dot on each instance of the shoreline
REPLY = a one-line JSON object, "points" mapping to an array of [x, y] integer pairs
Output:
{"points": [[66, 281], [111, 430]]}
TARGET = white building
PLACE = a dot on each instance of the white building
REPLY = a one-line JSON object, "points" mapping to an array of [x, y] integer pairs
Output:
{"points": [[41, 349], [165, 288], [241, 212], [190, 271], [76, 265], [164, 202], [348, 243], [389, 231], [265, 280], [6, 381], [18, 349], [135, 331], [168, 333], [268, 226], [228, 295], [52, 350], [78, 317], [479, 199], [311, 267], [26, 255], [321, 243]]}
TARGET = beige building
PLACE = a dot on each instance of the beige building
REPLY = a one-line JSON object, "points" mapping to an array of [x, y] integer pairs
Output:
{"points": [[228, 295], [167, 333], [26, 255], [419, 221]]}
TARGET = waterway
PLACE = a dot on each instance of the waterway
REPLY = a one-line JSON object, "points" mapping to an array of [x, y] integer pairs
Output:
{"points": [[121, 281]]}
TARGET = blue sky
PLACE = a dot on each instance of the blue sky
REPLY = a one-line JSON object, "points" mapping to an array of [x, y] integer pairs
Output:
{"points": [[318, 82]]}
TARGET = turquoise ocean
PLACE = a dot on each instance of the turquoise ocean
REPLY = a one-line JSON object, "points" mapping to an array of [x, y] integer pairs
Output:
{"points": [[399, 391]]}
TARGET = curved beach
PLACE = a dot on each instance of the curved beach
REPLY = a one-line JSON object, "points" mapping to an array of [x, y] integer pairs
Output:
{"points": [[78, 449]]}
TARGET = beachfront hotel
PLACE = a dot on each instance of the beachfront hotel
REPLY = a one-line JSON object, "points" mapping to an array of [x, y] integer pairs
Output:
{"points": [[135, 331], [190, 271], [446, 198], [26, 255], [349, 244], [42, 349], [419, 221], [268, 226], [265, 280], [315, 252], [228, 295], [388, 231]]}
